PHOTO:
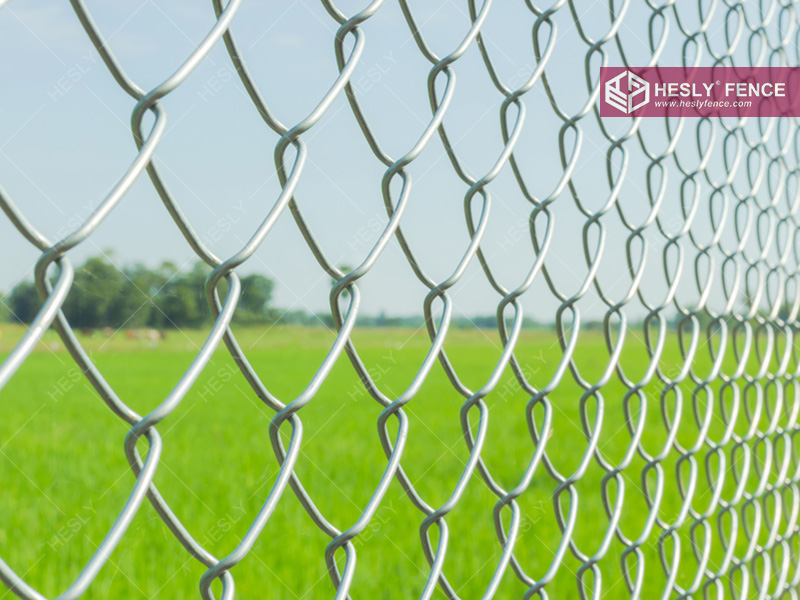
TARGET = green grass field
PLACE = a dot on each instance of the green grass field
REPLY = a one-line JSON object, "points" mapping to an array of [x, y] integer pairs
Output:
{"points": [[64, 475]]}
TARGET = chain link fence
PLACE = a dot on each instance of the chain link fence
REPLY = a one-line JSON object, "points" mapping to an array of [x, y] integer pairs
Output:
{"points": [[713, 218]]}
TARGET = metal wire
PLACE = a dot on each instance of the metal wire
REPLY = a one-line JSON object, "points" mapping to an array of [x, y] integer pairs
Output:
{"points": [[759, 269]]}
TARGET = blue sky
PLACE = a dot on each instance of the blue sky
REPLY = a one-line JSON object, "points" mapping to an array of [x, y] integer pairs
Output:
{"points": [[65, 139]]}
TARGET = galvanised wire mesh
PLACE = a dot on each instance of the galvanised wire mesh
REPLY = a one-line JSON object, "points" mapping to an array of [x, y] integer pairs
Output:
{"points": [[724, 228]]}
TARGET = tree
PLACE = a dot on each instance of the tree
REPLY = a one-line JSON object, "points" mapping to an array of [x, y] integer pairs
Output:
{"points": [[5, 310], [95, 299], [142, 285], [102, 295], [181, 300], [24, 302], [254, 302]]}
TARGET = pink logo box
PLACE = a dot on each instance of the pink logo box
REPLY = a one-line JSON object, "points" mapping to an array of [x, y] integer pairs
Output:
{"points": [[699, 92]]}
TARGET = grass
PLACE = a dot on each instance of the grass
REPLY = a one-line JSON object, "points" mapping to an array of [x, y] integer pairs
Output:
{"points": [[64, 475]]}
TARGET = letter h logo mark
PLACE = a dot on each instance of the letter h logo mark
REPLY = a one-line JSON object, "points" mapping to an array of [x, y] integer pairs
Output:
{"points": [[634, 97]]}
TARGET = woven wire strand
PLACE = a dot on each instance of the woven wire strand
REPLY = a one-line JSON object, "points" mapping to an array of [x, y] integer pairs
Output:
{"points": [[757, 274]]}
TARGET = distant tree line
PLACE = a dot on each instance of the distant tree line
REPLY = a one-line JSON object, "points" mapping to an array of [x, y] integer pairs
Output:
{"points": [[102, 295], [299, 317]]}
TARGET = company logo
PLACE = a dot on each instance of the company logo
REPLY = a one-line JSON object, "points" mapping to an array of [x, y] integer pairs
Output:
{"points": [[636, 94], [630, 91]]}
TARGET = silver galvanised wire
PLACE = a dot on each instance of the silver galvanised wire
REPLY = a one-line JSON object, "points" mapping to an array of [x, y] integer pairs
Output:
{"points": [[757, 324]]}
